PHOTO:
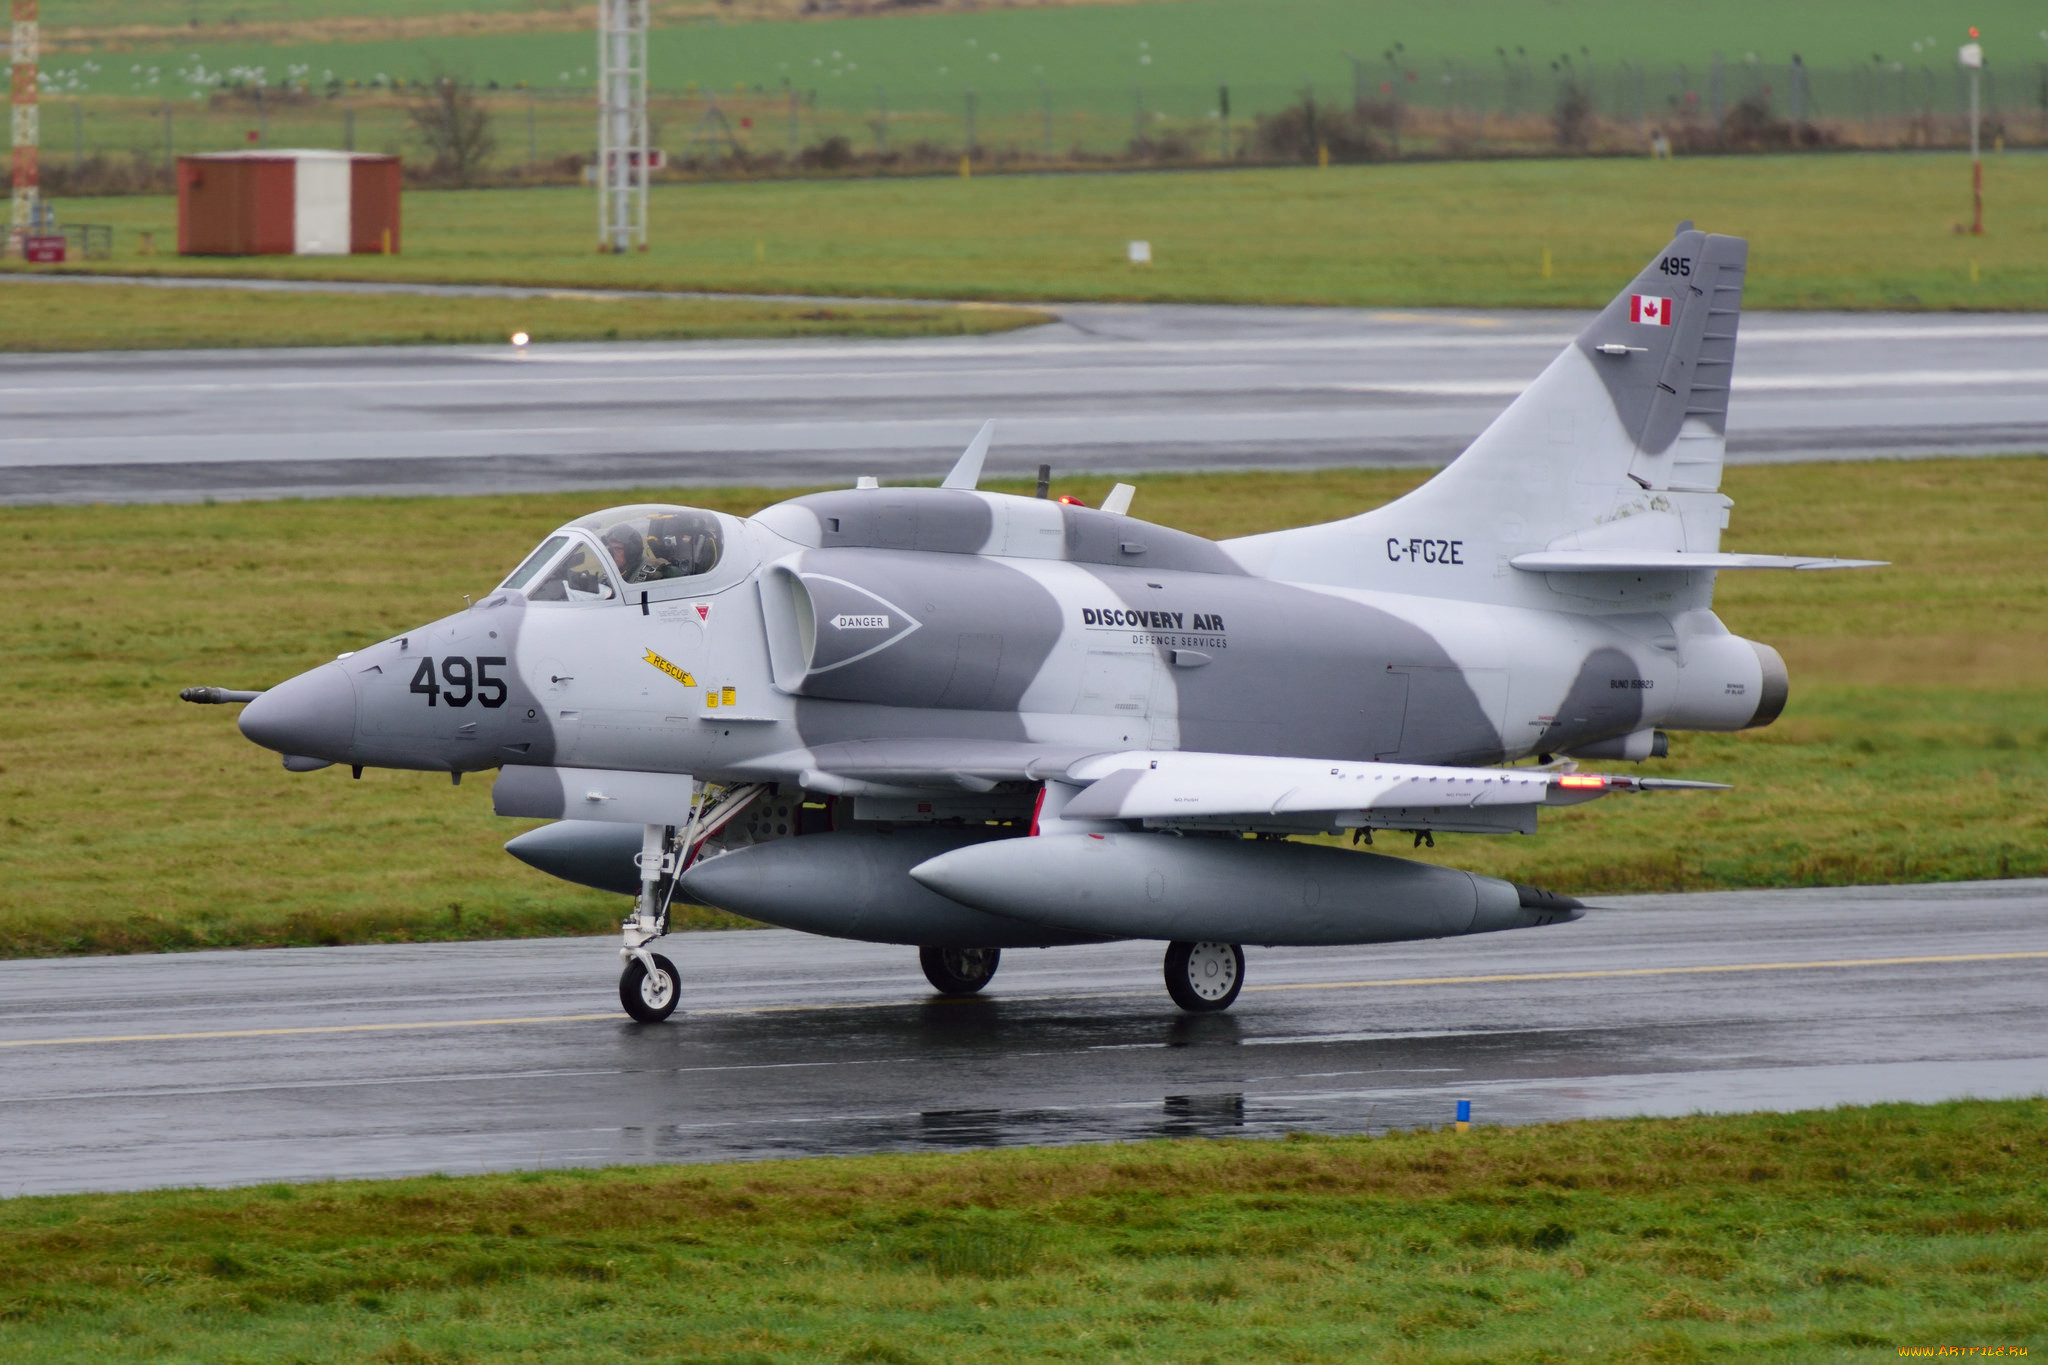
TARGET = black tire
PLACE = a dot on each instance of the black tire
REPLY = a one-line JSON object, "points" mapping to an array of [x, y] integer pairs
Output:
{"points": [[1204, 977], [959, 971], [647, 1000]]}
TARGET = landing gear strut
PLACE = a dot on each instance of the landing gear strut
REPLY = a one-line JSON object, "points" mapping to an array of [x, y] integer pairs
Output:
{"points": [[959, 971], [649, 986], [1204, 977]]}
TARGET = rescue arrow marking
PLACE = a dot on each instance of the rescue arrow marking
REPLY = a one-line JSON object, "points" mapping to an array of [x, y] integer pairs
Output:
{"points": [[681, 675]]}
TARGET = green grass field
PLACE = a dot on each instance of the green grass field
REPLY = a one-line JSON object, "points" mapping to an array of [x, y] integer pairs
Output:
{"points": [[1843, 231], [97, 317], [1915, 746], [90, 14], [1850, 1235], [1102, 49]]}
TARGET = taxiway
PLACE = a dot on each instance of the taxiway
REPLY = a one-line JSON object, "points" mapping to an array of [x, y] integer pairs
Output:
{"points": [[223, 1068], [1106, 388]]}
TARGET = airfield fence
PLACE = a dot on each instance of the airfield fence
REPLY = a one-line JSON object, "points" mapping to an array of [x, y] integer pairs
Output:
{"points": [[1417, 110]]}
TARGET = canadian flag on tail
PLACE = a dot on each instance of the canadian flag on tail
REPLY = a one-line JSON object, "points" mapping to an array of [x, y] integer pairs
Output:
{"points": [[1647, 308]]}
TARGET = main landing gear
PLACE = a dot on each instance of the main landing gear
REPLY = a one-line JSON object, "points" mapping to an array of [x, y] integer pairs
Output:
{"points": [[959, 971], [1204, 977]]}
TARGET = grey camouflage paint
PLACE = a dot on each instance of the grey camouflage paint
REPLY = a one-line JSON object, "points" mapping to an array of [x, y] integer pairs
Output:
{"points": [[1694, 358], [945, 639]]}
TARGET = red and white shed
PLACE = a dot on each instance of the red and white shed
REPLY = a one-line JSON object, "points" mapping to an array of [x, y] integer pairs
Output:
{"points": [[283, 203]]}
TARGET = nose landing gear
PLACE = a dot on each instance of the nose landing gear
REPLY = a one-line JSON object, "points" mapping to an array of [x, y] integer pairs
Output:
{"points": [[649, 995], [649, 987]]}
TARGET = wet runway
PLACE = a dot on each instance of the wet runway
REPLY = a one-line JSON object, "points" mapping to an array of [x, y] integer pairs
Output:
{"points": [[228, 1068], [1122, 388]]}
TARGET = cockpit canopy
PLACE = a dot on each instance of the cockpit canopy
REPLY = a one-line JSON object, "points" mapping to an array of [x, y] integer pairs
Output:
{"points": [[594, 558]]}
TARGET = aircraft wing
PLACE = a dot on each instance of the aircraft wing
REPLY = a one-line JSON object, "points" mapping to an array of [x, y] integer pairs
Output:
{"points": [[904, 766], [1198, 786]]}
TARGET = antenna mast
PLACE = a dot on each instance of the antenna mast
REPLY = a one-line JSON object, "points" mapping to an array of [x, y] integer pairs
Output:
{"points": [[22, 55], [621, 125]]}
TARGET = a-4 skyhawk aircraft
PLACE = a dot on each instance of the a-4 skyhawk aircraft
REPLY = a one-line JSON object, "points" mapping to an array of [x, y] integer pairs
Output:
{"points": [[967, 721]]}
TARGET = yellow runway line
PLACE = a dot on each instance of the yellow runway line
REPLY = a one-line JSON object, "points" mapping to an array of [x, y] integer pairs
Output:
{"points": [[1613, 972], [1382, 983], [310, 1028]]}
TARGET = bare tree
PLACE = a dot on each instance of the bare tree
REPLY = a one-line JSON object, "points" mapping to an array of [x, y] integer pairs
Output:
{"points": [[1573, 116], [455, 127]]}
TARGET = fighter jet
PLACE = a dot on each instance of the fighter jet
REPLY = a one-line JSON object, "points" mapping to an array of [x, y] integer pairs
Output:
{"points": [[967, 721]]}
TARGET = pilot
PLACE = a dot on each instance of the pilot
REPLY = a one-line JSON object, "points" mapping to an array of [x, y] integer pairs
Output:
{"points": [[681, 546], [665, 547], [629, 553]]}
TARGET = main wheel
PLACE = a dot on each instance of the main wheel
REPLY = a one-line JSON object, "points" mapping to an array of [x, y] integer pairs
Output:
{"points": [[1202, 977], [650, 998], [959, 971]]}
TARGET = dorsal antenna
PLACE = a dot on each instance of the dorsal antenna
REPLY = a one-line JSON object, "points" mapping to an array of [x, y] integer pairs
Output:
{"points": [[967, 469]]}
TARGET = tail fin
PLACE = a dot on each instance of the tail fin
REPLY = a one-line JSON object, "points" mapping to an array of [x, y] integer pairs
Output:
{"points": [[1672, 395], [1630, 420]]}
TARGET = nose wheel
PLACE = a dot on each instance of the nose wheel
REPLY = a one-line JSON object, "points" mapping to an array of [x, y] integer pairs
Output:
{"points": [[959, 971], [649, 996], [1204, 977]]}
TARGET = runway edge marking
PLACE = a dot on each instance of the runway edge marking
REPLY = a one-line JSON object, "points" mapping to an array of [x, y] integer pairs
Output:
{"points": [[1383, 983]]}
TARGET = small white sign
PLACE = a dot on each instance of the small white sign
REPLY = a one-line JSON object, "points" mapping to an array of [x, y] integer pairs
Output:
{"points": [[1140, 253], [845, 622], [1971, 54]]}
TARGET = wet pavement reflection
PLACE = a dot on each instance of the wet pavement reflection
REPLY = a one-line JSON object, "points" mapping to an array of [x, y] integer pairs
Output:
{"points": [[226, 1068]]}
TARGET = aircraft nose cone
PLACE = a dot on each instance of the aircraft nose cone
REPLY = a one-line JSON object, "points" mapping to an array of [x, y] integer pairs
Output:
{"points": [[313, 714]]}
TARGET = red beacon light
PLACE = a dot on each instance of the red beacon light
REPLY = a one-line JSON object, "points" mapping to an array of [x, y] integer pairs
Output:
{"points": [[1071, 502]]}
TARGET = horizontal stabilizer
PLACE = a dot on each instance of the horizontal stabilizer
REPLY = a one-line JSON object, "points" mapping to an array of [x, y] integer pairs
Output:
{"points": [[1196, 786], [1672, 561]]}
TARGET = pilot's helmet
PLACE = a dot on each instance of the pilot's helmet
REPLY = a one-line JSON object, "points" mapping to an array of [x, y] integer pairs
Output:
{"points": [[627, 550], [665, 536]]}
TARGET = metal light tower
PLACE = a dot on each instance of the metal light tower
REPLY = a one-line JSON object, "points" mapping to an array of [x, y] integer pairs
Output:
{"points": [[1971, 58], [622, 151], [23, 52]]}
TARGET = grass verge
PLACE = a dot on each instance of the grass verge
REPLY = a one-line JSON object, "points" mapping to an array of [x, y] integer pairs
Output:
{"points": [[1850, 1234], [1915, 747], [111, 317], [1855, 231]]}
